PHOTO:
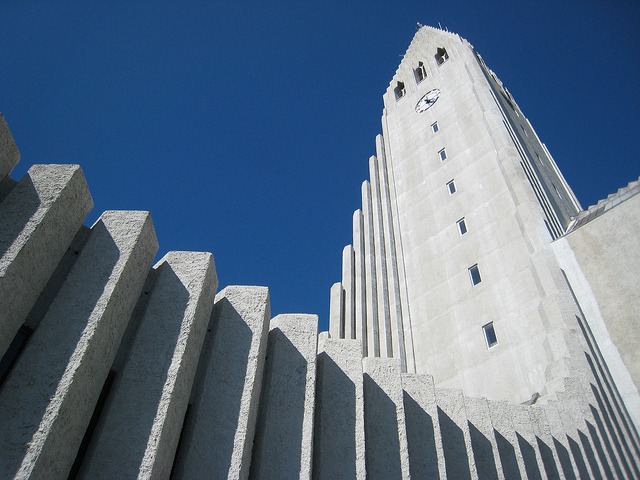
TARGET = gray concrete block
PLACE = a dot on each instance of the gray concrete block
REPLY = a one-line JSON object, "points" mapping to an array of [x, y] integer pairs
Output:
{"points": [[38, 221], [513, 465], [336, 311], [142, 420], [456, 438], [339, 439], [526, 438], [49, 396], [284, 433], [385, 427], [483, 441], [9, 154], [219, 430], [348, 284], [426, 454]]}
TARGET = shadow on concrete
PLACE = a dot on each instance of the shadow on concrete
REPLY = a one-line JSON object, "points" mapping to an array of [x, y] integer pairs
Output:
{"points": [[423, 457], [546, 454], [482, 454], [334, 440], [565, 460], [277, 447], [577, 456], [605, 438], [508, 459], [16, 211], [529, 457], [456, 459], [381, 432]]}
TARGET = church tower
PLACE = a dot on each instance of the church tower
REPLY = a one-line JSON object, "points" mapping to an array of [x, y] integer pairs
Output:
{"points": [[452, 267]]}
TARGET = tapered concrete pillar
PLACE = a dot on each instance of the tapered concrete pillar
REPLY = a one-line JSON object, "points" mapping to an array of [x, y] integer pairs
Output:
{"points": [[382, 293], [370, 284], [49, 396], [426, 454], [526, 438], [38, 221], [360, 308], [149, 397], [513, 465], [284, 434], [339, 439], [385, 429], [9, 154], [336, 311], [219, 429], [348, 285]]}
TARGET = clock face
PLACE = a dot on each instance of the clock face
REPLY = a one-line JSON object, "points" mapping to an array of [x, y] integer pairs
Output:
{"points": [[427, 100]]}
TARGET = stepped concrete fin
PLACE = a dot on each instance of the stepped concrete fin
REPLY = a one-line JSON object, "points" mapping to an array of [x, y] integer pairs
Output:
{"points": [[38, 221], [47, 400], [285, 421], [151, 394], [385, 427], [219, 430], [339, 438]]}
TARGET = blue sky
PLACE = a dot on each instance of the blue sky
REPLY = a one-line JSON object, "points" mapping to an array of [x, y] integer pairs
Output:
{"points": [[246, 127]]}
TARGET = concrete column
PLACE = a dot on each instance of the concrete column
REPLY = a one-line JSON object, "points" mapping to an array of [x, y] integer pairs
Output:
{"points": [[38, 221], [397, 241], [548, 453], [382, 294], [426, 454], [348, 284], [371, 287], [284, 434], [567, 464], [507, 441], [339, 439], [49, 396], [336, 311], [386, 434], [483, 440], [149, 397], [219, 431], [527, 443], [9, 154], [395, 302], [360, 300], [456, 438]]}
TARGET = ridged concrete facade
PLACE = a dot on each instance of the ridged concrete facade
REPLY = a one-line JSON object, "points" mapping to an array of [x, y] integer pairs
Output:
{"points": [[114, 368]]}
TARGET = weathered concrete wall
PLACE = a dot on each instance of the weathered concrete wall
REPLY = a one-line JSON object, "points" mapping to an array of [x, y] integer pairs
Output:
{"points": [[38, 220], [149, 397], [48, 398], [219, 431], [9, 154]]}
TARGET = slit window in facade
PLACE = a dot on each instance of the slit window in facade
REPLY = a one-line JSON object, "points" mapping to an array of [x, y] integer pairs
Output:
{"points": [[462, 226], [434, 127], [420, 72], [441, 55], [400, 91], [443, 155], [490, 335], [452, 187], [475, 274]]}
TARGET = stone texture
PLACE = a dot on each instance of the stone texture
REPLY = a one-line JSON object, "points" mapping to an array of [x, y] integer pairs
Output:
{"points": [[339, 438], [142, 421], [48, 398], [9, 154], [285, 422], [220, 428], [38, 221]]}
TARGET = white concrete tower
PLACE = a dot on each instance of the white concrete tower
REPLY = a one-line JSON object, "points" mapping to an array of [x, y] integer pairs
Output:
{"points": [[451, 268]]}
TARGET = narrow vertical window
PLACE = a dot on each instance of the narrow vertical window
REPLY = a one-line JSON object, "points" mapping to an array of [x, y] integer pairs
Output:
{"points": [[452, 187], [441, 55], [475, 274], [400, 91], [490, 335], [443, 155], [462, 226], [434, 127], [420, 72]]}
